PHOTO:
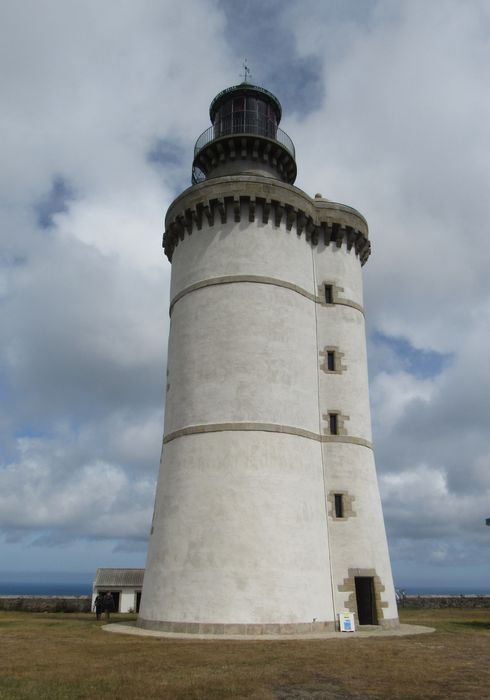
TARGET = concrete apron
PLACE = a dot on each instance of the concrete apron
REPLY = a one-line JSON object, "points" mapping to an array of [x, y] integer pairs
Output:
{"points": [[367, 631]]}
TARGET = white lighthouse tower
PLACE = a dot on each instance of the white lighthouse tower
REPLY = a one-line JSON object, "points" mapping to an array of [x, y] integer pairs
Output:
{"points": [[267, 514]]}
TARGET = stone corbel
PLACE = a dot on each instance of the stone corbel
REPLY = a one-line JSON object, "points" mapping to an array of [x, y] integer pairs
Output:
{"points": [[266, 208], [278, 213], [221, 207]]}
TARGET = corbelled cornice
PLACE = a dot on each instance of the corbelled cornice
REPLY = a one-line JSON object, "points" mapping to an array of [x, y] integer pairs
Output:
{"points": [[218, 200], [247, 151]]}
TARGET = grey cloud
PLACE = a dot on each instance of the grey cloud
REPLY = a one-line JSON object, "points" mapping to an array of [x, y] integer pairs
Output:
{"points": [[166, 152], [389, 110], [400, 136], [294, 78], [131, 546], [173, 162], [84, 313], [42, 492], [69, 347], [56, 201], [398, 354]]}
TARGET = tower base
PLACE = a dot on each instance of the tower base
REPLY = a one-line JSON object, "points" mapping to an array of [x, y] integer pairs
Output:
{"points": [[204, 628]]}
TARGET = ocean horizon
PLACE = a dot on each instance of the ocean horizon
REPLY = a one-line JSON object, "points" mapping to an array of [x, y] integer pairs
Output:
{"points": [[442, 590], [84, 587], [45, 588]]}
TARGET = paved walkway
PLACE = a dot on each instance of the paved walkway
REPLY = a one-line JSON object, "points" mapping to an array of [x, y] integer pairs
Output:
{"points": [[369, 631]]}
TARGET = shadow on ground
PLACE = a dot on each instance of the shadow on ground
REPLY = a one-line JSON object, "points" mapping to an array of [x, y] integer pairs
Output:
{"points": [[473, 624]]}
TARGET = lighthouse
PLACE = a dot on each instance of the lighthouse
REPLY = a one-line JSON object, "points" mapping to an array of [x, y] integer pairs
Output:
{"points": [[267, 515]]}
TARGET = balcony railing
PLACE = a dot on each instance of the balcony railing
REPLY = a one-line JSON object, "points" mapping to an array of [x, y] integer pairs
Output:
{"points": [[244, 123]]}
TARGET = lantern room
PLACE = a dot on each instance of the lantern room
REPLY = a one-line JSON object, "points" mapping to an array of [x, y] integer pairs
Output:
{"points": [[244, 137]]}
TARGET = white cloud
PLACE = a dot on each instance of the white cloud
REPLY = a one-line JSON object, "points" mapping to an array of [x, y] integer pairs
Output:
{"points": [[88, 92], [44, 492], [402, 134], [399, 127], [392, 393]]}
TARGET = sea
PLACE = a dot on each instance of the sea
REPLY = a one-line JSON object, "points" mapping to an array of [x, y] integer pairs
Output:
{"points": [[34, 588], [84, 587]]}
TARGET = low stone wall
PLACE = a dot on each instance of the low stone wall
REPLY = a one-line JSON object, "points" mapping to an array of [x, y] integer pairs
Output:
{"points": [[83, 603], [447, 601], [27, 603]]}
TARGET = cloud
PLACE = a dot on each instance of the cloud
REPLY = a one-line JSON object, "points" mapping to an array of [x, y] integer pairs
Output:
{"points": [[48, 490], [56, 201], [398, 353], [296, 77], [91, 97], [401, 134], [80, 332], [389, 110]]}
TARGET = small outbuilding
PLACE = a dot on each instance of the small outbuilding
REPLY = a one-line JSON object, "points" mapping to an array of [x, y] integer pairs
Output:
{"points": [[124, 584]]}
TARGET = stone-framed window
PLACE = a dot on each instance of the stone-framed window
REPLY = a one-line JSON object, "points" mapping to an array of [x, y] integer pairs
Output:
{"points": [[332, 360], [329, 293], [335, 423], [341, 505]]}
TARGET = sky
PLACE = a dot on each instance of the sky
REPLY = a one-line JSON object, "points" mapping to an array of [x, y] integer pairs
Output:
{"points": [[388, 105]]}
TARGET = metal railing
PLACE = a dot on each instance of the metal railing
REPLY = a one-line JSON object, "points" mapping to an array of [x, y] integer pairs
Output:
{"points": [[245, 122]]}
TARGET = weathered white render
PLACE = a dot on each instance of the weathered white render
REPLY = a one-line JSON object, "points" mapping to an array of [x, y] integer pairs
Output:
{"points": [[266, 340]]}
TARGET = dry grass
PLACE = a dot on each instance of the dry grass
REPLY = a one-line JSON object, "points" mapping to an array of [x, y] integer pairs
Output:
{"points": [[58, 656]]}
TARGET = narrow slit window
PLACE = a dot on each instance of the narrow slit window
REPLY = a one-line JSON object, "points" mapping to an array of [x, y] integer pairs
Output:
{"points": [[328, 294], [339, 505], [331, 360], [333, 423]]}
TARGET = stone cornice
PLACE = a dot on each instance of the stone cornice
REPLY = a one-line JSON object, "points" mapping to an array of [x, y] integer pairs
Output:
{"points": [[236, 197]]}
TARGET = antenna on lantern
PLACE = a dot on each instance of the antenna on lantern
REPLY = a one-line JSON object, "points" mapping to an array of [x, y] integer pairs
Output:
{"points": [[246, 72]]}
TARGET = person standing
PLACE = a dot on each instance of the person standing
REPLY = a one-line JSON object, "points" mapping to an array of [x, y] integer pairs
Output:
{"points": [[108, 605], [98, 606]]}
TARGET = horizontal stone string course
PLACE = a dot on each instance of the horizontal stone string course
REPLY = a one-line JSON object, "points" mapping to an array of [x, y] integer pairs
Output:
{"points": [[264, 427], [313, 222], [259, 279]]}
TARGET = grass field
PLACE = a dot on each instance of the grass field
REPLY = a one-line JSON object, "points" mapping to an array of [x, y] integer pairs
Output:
{"points": [[57, 656]]}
